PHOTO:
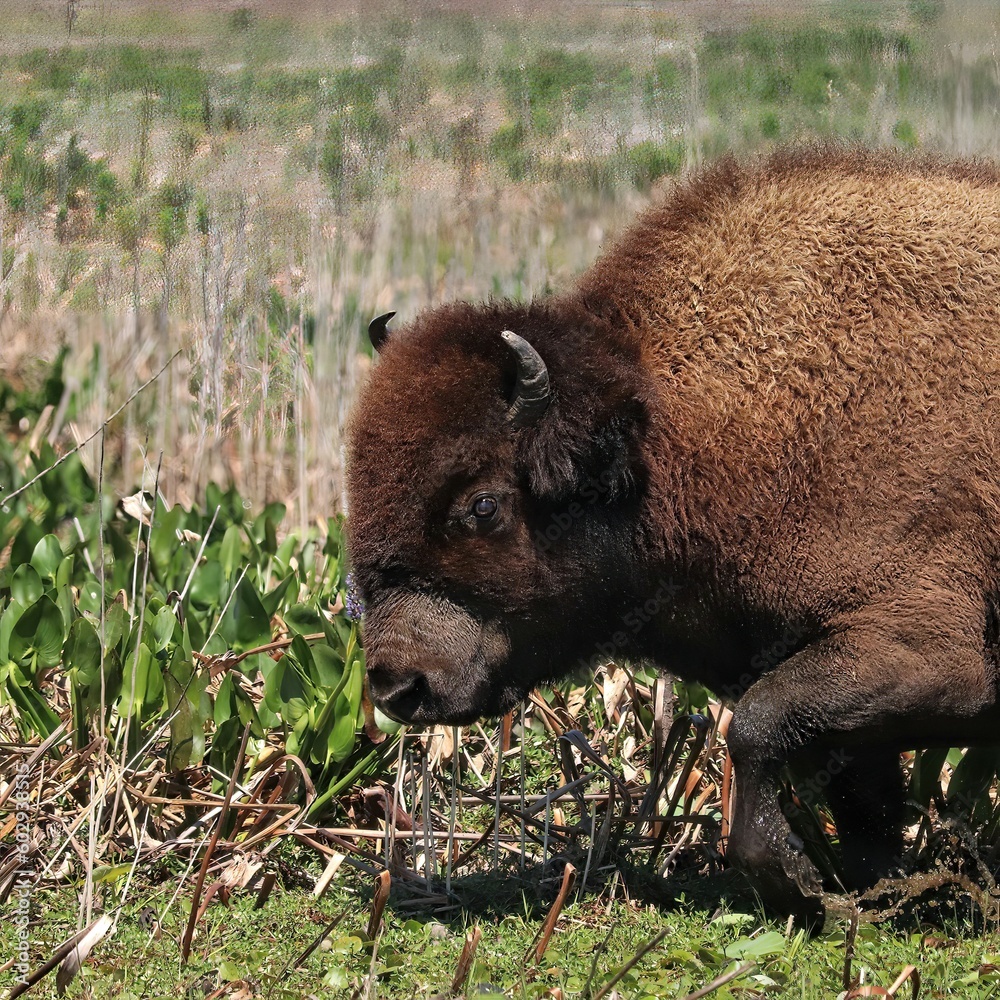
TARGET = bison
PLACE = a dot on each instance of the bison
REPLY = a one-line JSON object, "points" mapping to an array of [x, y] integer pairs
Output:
{"points": [[767, 419]]}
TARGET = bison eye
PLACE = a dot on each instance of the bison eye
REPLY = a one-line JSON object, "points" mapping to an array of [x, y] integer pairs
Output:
{"points": [[485, 507]]}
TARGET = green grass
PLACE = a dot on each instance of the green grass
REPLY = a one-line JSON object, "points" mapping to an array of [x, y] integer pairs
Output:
{"points": [[419, 949]]}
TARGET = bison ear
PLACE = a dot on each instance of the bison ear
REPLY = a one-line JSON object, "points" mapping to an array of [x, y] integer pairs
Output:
{"points": [[568, 456]]}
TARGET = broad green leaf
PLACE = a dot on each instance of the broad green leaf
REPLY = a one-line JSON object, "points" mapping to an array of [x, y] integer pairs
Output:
{"points": [[228, 972], [355, 686], [154, 697], [64, 575], [82, 653], [334, 532], [307, 559], [6, 520], [39, 632], [180, 749], [283, 557], [272, 601], [972, 778], [68, 486], [245, 624], [268, 719], [189, 707], [329, 666], [256, 663], [224, 708], [339, 630], [246, 711], [303, 619], [195, 628], [265, 525], [35, 717], [269, 543], [771, 943], [293, 744], [342, 734], [164, 626], [286, 691], [65, 601], [231, 552], [163, 542], [26, 585], [300, 653], [111, 873], [24, 543], [265, 710], [388, 726], [115, 625], [209, 588], [252, 555], [226, 735], [213, 498], [216, 646], [136, 681], [322, 720], [89, 602], [47, 556]]}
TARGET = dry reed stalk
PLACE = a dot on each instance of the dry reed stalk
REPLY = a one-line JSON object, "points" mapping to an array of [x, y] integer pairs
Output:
{"points": [[452, 811], [383, 885], [565, 888], [466, 959], [849, 940], [80, 943], [206, 860], [727, 801], [911, 973]]}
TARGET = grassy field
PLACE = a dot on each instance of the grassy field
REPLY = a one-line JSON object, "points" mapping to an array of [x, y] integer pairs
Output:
{"points": [[215, 199], [242, 951]]}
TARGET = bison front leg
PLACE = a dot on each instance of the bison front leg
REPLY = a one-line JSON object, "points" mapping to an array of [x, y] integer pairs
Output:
{"points": [[864, 789], [761, 842], [843, 707]]}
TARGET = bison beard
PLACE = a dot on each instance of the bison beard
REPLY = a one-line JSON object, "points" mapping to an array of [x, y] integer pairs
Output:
{"points": [[779, 394]]}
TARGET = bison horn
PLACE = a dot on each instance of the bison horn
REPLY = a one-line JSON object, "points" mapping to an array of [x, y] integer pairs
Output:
{"points": [[531, 391], [377, 331]]}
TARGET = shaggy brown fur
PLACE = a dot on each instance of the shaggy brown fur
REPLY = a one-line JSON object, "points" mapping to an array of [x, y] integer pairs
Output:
{"points": [[774, 426]]}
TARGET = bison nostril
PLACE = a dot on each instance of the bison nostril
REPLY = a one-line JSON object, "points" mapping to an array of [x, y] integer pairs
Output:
{"points": [[397, 695]]}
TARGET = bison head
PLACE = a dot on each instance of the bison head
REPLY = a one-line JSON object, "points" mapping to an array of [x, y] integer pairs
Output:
{"points": [[494, 484]]}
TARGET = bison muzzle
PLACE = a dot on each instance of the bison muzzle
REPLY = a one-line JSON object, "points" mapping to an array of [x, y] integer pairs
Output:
{"points": [[758, 444]]}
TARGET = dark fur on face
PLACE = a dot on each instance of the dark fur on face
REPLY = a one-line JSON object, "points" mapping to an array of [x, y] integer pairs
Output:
{"points": [[416, 470]]}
